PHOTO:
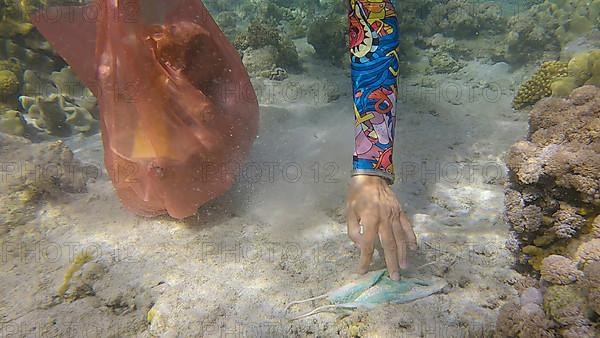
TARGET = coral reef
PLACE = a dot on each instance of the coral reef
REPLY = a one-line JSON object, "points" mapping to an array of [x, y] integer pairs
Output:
{"points": [[547, 26], [530, 35], [558, 78], [584, 68], [464, 18], [60, 105], [574, 17], [14, 17], [555, 174], [553, 207], [263, 49], [328, 37], [589, 252], [34, 52], [13, 65]]}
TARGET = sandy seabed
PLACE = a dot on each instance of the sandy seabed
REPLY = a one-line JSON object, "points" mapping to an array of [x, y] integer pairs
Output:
{"points": [[279, 234]]}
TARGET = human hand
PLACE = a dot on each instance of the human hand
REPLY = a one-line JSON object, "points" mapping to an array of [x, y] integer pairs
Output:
{"points": [[375, 217]]}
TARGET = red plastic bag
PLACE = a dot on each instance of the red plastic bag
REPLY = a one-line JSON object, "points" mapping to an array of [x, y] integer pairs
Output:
{"points": [[178, 111]]}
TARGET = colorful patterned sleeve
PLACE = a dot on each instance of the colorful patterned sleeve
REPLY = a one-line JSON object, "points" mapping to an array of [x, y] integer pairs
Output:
{"points": [[374, 47]]}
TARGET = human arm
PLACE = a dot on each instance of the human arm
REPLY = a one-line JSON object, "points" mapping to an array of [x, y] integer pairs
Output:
{"points": [[374, 213]]}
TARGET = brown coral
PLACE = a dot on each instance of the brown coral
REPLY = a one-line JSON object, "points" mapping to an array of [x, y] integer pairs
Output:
{"points": [[553, 205], [589, 252], [558, 269], [595, 229], [565, 304], [567, 222], [523, 322], [592, 283]]}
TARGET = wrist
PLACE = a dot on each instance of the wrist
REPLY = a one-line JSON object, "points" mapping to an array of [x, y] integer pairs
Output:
{"points": [[372, 176]]}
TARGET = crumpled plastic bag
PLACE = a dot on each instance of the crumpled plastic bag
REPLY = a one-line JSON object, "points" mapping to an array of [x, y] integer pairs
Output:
{"points": [[372, 289], [178, 112]]}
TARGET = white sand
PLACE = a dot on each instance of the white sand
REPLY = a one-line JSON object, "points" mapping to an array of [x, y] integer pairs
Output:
{"points": [[232, 270]]}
